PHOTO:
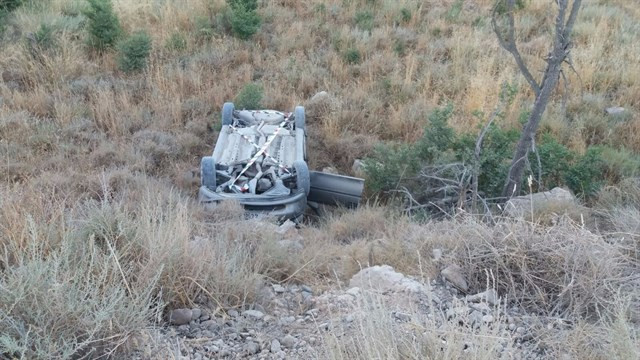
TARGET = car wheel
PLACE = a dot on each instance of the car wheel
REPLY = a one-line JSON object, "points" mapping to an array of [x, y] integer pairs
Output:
{"points": [[298, 113], [227, 113], [303, 176], [208, 172]]}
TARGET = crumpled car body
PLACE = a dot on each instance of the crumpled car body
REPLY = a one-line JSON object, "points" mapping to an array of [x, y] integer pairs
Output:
{"points": [[259, 160]]}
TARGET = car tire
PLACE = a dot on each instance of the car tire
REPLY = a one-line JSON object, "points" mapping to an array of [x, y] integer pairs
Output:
{"points": [[227, 113], [208, 172], [303, 176], [298, 114]]}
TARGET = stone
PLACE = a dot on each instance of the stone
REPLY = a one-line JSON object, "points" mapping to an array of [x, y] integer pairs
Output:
{"points": [[384, 278], [354, 291], [330, 170], [253, 314], [180, 316], [490, 297], [275, 346], [556, 198], [288, 341], [358, 167], [615, 110], [195, 314], [487, 318], [287, 229], [453, 274], [402, 316], [251, 348], [209, 324], [437, 254], [319, 105], [306, 288], [278, 288]]}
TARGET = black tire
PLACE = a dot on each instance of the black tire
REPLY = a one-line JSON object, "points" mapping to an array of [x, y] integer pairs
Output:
{"points": [[208, 172], [303, 177], [227, 113], [298, 114]]}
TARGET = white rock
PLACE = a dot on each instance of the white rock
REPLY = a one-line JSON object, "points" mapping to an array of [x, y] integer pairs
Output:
{"points": [[254, 314], [278, 288], [490, 297], [453, 274], [521, 206], [358, 167], [487, 318], [275, 346], [288, 341], [437, 254], [384, 278], [614, 110]]}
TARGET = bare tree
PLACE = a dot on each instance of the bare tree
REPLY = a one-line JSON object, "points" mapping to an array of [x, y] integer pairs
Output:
{"points": [[557, 56]]}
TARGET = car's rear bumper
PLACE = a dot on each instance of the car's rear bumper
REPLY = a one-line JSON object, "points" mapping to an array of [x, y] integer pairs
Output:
{"points": [[287, 207]]}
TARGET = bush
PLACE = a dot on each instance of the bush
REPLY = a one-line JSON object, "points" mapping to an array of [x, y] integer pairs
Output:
{"points": [[245, 20], [405, 15], [364, 20], [44, 36], [10, 5], [176, 42], [134, 52], [250, 97], [352, 56], [104, 26]]}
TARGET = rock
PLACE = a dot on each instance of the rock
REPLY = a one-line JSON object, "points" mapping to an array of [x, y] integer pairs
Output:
{"points": [[319, 105], [358, 167], [402, 316], [306, 288], [287, 229], [487, 318], [521, 206], [288, 341], [330, 170], [453, 274], [437, 254], [275, 346], [490, 297], [232, 313], [354, 291], [251, 348], [278, 288], [253, 314], [476, 318], [615, 110], [180, 316], [195, 314], [209, 324], [384, 278]]}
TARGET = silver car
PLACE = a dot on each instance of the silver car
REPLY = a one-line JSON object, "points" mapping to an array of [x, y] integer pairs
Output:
{"points": [[260, 161]]}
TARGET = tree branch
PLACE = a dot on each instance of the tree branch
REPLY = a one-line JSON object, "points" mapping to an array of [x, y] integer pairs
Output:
{"points": [[568, 28], [510, 44]]}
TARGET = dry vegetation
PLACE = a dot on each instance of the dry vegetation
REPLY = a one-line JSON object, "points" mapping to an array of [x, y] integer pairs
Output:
{"points": [[99, 232]]}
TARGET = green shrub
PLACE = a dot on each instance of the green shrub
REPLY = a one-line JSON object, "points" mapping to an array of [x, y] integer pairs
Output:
{"points": [[245, 20], [10, 5], [555, 159], [405, 15], [104, 26], [44, 36], [352, 56], [250, 97], [134, 51], [399, 47], [176, 42], [364, 20], [585, 177]]}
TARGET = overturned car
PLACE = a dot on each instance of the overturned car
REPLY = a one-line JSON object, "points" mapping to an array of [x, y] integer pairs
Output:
{"points": [[259, 160]]}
